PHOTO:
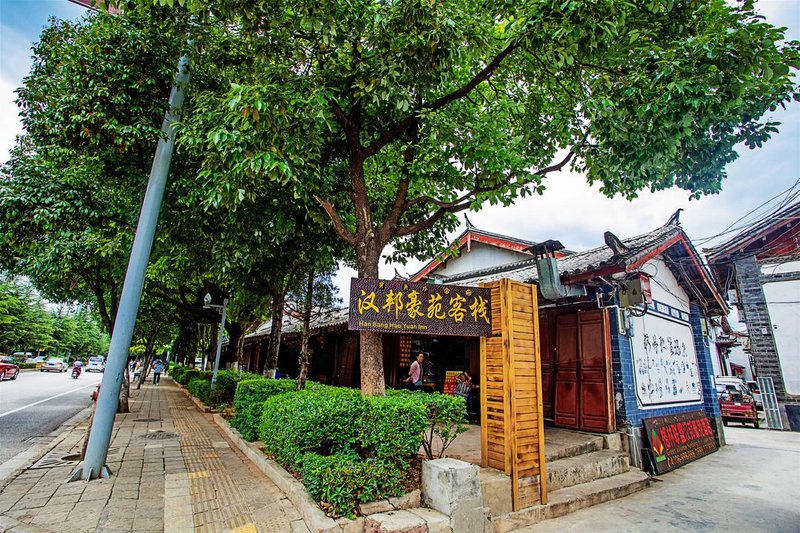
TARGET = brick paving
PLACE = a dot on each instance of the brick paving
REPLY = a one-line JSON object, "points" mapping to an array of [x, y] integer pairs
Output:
{"points": [[173, 471]]}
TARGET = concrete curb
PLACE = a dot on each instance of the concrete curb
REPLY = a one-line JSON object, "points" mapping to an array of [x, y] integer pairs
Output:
{"points": [[313, 516], [203, 408]]}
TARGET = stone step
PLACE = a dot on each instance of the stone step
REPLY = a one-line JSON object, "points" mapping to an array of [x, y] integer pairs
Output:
{"points": [[585, 468], [571, 499], [417, 520], [571, 445]]}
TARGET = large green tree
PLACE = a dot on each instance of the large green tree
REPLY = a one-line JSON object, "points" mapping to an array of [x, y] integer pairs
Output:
{"points": [[25, 324], [91, 109], [396, 114]]}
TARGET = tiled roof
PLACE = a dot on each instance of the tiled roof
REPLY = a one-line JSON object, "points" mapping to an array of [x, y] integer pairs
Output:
{"points": [[744, 238], [575, 263], [336, 317]]}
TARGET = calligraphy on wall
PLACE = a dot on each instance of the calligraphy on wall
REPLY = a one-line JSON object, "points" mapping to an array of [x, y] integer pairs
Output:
{"points": [[664, 360], [678, 439], [391, 306]]}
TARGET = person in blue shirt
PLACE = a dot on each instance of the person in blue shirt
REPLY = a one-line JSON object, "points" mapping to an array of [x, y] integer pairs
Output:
{"points": [[158, 368]]}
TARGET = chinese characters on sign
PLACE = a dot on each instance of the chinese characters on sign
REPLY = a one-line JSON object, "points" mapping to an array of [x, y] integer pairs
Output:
{"points": [[405, 307], [678, 439], [664, 359]]}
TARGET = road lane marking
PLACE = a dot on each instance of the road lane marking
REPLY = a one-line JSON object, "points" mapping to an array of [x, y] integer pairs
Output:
{"points": [[18, 409]]}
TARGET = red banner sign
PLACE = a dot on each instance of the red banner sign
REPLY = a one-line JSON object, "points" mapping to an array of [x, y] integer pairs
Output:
{"points": [[421, 308], [679, 439]]}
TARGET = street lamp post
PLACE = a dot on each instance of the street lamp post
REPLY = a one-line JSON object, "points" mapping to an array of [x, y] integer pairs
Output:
{"points": [[222, 308]]}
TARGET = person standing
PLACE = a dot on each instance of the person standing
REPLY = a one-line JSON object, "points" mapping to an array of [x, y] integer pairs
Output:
{"points": [[158, 368], [415, 371]]}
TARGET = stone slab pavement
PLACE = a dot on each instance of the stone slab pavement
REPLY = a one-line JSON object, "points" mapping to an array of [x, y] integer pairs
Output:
{"points": [[750, 485], [173, 471]]}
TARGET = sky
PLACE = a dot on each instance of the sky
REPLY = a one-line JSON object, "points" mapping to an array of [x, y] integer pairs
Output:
{"points": [[570, 210]]}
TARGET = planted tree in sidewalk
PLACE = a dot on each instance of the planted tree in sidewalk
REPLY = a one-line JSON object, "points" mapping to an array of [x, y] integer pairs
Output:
{"points": [[315, 300], [396, 115]]}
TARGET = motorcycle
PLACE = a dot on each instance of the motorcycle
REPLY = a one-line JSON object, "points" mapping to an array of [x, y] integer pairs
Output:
{"points": [[76, 371]]}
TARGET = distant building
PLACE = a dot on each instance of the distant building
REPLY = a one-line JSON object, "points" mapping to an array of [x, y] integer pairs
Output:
{"points": [[760, 268]]}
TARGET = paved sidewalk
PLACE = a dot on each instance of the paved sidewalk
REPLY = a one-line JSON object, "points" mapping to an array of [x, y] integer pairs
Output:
{"points": [[173, 471]]}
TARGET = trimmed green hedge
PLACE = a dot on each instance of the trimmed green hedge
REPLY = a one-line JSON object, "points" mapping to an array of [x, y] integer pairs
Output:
{"points": [[248, 402], [200, 388], [348, 448], [225, 388]]}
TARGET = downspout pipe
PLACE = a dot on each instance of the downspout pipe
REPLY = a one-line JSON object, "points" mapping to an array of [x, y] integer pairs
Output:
{"points": [[550, 285]]}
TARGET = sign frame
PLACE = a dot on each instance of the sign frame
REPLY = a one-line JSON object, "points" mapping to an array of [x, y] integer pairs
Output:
{"points": [[678, 439], [405, 307]]}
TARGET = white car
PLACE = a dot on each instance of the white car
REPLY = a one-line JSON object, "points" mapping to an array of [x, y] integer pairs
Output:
{"points": [[54, 364], [96, 364]]}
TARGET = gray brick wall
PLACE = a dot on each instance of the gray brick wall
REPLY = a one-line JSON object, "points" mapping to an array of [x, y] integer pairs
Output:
{"points": [[759, 326]]}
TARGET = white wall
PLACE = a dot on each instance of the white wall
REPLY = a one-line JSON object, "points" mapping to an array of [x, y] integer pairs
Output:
{"points": [[480, 256], [780, 268], [783, 304], [664, 358]]}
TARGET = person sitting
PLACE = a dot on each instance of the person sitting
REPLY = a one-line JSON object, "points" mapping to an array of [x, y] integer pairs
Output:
{"points": [[463, 385]]}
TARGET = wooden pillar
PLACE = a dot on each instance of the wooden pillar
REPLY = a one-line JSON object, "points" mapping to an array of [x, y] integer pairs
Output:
{"points": [[512, 422]]}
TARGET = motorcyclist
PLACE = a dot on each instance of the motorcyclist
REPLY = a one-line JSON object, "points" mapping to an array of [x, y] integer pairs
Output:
{"points": [[77, 368]]}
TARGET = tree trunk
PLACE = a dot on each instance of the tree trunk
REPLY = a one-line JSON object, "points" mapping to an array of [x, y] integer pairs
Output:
{"points": [[239, 352], [125, 391], [148, 360], [371, 344], [233, 355], [274, 346], [305, 355]]}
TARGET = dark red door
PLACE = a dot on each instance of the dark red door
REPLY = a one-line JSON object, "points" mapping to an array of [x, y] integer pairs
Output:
{"points": [[583, 371], [566, 371]]}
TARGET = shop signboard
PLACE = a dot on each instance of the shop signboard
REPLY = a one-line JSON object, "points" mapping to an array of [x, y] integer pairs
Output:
{"points": [[391, 306], [679, 439]]}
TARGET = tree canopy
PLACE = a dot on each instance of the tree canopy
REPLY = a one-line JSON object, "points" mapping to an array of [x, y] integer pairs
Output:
{"points": [[395, 115]]}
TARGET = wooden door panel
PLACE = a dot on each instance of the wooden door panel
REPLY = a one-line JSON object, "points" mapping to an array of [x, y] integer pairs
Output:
{"points": [[567, 395], [547, 328], [595, 361]]}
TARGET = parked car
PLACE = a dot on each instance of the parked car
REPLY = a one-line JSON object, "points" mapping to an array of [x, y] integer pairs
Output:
{"points": [[54, 364], [96, 364], [753, 386], [8, 368], [736, 403], [38, 359]]}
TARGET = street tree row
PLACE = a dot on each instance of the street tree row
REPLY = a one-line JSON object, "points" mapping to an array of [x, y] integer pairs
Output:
{"points": [[378, 121]]}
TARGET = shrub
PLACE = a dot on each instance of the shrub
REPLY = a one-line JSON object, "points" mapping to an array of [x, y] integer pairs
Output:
{"points": [[201, 389], [341, 481], [347, 448], [447, 419], [190, 373], [248, 402], [227, 380], [322, 421], [392, 426]]}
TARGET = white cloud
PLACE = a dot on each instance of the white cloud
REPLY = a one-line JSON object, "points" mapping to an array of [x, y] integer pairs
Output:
{"points": [[10, 126]]}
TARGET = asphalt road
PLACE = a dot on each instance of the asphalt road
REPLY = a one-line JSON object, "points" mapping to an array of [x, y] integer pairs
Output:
{"points": [[751, 484], [37, 403]]}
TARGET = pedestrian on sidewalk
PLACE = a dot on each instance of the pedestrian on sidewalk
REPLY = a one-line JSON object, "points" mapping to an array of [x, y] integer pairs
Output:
{"points": [[158, 368]]}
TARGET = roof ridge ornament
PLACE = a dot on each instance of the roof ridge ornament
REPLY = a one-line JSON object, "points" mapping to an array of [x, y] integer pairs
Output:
{"points": [[675, 219], [470, 225], [614, 242]]}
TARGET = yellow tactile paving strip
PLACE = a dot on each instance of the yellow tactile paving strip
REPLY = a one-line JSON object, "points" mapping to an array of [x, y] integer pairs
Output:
{"points": [[219, 503]]}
